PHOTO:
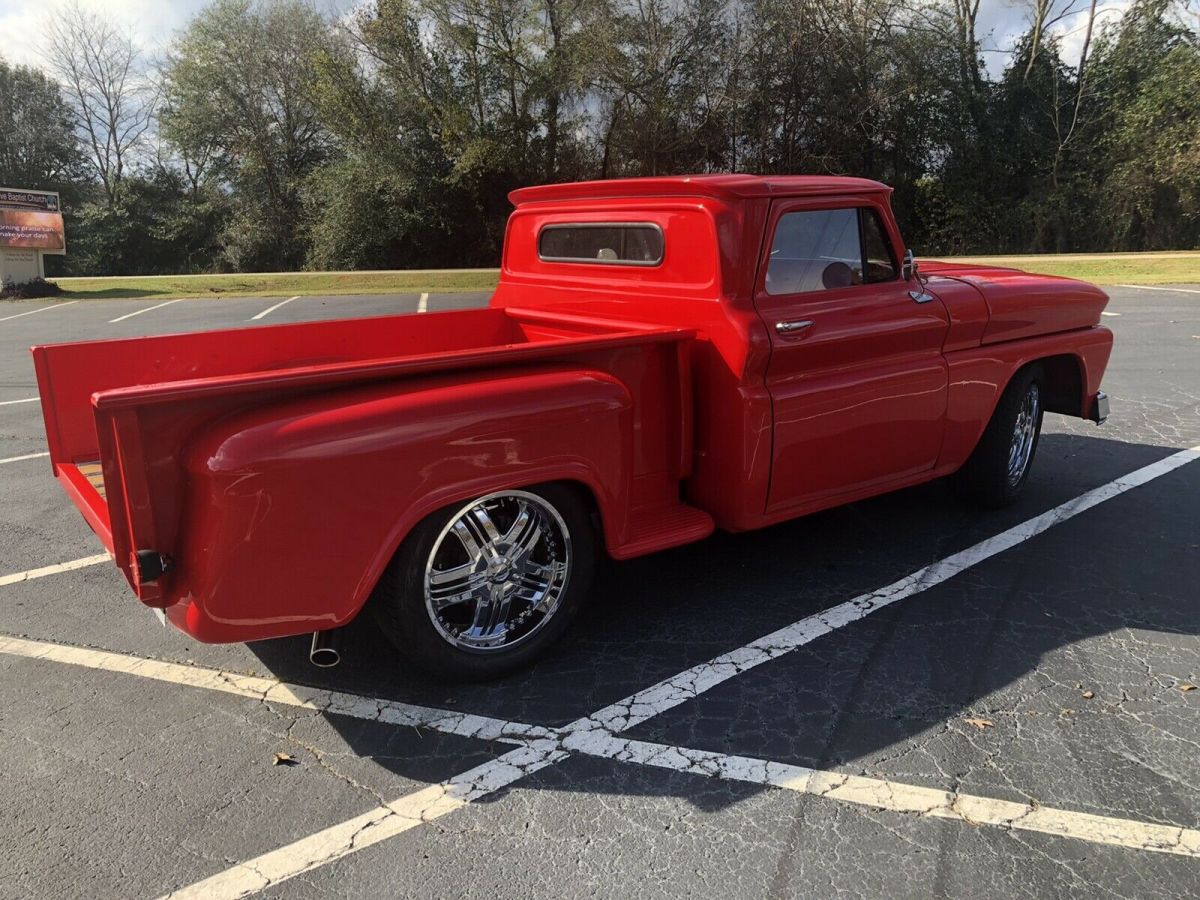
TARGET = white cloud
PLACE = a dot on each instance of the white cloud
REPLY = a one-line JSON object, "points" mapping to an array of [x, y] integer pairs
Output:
{"points": [[1001, 24], [24, 24]]}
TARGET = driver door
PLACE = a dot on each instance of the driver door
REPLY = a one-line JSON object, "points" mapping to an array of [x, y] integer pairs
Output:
{"points": [[857, 379]]}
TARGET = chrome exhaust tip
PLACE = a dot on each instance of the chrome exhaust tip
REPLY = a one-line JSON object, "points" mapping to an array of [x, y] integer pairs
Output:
{"points": [[324, 653]]}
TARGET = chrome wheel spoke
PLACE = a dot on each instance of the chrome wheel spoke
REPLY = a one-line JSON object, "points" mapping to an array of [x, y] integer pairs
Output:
{"points": [[467, 537], [542, 586], [449, 578], [501, 599], [482, 622], [511, 581], [444, 601], [524, 542], [452, 586], [486, 526], [523, 517]]}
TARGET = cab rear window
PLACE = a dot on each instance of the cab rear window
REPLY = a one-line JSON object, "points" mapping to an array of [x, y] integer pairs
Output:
{"points": [[611, 243]]}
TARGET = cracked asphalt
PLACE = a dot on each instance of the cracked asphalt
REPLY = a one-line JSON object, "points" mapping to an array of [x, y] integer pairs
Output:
{"points": [[849, 761]]}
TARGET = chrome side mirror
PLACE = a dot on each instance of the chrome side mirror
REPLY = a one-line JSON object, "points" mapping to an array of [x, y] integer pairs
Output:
{"points": [[908, 268]]}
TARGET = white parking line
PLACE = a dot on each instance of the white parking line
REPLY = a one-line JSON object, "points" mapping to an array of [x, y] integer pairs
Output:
{"points": [[545, 746], [368, 829], [41, 309], [270, 690], [31, 574], [880, 793], [671, 692], [271, 309], [539, 748], [26, 400], [140, 311], [423, 303], [1147, 287], [26, 456], [401, 815]]}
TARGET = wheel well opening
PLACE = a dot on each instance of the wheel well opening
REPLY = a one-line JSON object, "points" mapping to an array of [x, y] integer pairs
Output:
{"points": [[591, 505], [1062, 381]]}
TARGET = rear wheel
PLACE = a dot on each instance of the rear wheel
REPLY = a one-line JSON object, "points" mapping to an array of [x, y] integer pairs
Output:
{"points": [[483, 588], [997, 470]]}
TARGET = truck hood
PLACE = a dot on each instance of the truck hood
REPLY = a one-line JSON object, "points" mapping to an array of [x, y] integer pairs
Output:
{"points": [[1021, 304]]}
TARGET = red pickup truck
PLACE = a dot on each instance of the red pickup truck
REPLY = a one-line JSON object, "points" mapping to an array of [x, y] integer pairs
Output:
{"points": [[662, 357]]}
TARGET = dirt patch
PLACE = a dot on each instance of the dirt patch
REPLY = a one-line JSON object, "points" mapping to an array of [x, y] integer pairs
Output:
{"points": [[30, 290]]}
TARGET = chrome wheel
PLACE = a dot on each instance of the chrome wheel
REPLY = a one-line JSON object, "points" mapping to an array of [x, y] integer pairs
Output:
{"points": [[1020, 450], [497, 572]]}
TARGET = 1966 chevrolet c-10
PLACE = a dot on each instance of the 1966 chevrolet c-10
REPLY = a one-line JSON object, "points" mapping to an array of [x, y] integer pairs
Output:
{"points": [[662, 357]]}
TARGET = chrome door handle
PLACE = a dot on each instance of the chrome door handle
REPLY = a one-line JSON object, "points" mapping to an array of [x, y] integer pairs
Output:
{"points": [[792, 327]]}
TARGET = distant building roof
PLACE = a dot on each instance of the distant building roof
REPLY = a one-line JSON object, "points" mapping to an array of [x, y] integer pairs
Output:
{"points": [[721, 186]]}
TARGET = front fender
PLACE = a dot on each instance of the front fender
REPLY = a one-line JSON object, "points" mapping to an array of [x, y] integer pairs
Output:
{"points": [[294, 510], [979, 375]]}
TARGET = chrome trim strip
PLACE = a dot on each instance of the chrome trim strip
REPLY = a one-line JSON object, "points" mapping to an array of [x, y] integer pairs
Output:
{"points": [[790, 327]]}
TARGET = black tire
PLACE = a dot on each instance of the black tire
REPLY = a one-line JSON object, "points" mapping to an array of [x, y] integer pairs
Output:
{"points": [[986, 478], [400, 606]]}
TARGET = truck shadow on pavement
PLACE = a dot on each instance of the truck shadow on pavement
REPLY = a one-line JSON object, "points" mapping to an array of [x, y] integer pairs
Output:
{"points": [[999, 642]]}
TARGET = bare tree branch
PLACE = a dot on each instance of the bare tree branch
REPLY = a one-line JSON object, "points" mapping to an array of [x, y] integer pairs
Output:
{"points": [[101, 70]]}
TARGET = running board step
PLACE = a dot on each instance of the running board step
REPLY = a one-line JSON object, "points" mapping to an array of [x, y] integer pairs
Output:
{"points": [[659, 527]]}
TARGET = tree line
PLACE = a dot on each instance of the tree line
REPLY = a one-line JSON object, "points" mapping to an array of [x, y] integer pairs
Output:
{"points": [[272, 137]]}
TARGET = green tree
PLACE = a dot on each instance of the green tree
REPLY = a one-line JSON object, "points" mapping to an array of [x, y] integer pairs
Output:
{"points": [[37, 140], [1147, 131], [391, 137], [664, 87], [154, 225], [237, 92]]}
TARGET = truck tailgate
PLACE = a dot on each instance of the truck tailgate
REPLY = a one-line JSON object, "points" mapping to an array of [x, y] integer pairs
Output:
{"points": [[120, 413]]}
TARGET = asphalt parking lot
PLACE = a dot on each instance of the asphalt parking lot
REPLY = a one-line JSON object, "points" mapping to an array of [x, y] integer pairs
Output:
{"points": [[903, 697]]}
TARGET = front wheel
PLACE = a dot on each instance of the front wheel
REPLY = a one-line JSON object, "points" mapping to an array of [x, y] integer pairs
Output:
{"points": [[482, 588], [997, 470]]}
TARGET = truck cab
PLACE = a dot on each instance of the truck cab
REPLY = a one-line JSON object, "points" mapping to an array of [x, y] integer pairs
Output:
{"points": [[661, 357], [828, 369]]}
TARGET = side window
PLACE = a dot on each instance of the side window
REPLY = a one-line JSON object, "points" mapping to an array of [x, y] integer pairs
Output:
{"points": [[815, 250], [825, 249], [880, 264]]}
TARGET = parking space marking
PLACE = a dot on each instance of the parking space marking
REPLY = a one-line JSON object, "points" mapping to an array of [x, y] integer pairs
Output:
{"points": [[371, 827], [40, 309], [270, 690], [542, 747], [693, 682], [1146, 287], [271, 309], [892, 796], [26, 400], [138, 312], [878, 793], [348, 837], [31, 574], [26, 456], [423, 303]]}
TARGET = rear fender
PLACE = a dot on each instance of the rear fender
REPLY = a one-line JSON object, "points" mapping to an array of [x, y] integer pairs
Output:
{"points": [[293, 511]]}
